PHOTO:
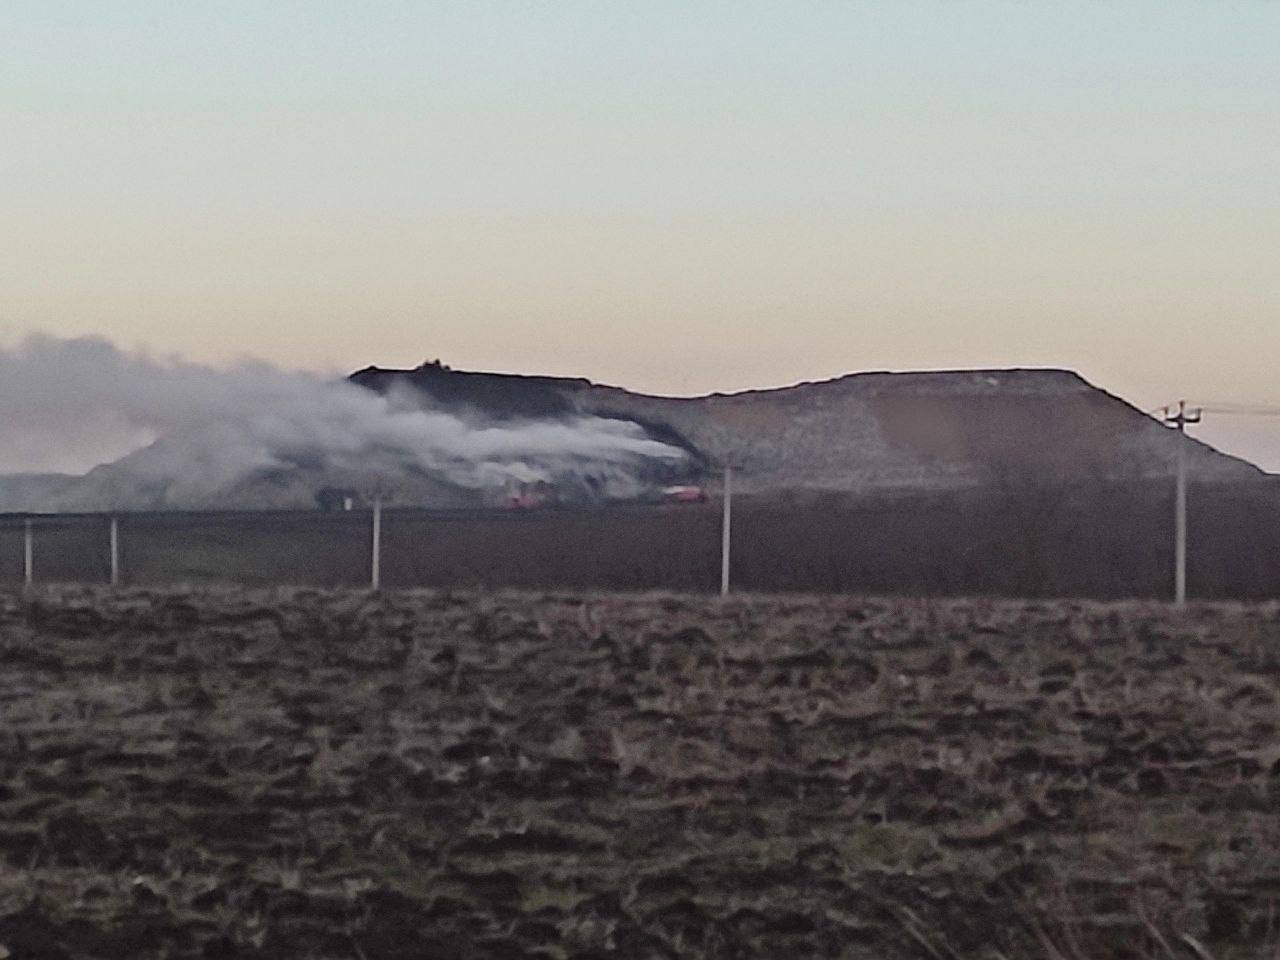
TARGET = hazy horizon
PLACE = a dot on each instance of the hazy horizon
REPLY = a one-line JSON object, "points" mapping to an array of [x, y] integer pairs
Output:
{"points": [[671, 198], [125, 400]]}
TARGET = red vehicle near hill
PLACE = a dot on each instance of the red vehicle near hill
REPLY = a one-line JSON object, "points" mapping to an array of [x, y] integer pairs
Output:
{"points": [[684, 494], [531, 496]]}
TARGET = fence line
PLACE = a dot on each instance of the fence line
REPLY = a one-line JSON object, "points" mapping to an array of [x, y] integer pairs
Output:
{"points": [[256, 546], [1092, 540]]}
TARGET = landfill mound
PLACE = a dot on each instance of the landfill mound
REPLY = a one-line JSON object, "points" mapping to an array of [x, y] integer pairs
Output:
{"points": [[868, 432]]}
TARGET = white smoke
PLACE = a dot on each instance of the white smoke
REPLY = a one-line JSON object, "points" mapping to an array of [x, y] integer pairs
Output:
{"points": [[197, 431]]}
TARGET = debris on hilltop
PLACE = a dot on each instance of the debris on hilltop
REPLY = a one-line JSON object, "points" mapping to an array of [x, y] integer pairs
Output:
{"points": [[865, 432]]}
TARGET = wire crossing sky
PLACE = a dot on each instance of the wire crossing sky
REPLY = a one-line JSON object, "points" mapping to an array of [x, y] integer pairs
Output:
{"points": [[675, 197]]}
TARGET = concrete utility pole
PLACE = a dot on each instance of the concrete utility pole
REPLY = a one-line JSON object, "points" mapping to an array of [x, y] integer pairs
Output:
{"points": [[28, 538], [115, 551], [1179, 422], [726, 528], [375, 564]]}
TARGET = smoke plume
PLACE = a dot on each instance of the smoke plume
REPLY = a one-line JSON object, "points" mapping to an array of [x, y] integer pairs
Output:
{"points": [[194, 434]]}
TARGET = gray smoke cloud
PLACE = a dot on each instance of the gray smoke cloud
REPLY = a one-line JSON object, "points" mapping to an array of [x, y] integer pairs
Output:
{"points": [[198, 433]]}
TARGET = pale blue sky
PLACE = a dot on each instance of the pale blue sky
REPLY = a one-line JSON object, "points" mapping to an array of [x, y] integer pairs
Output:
{"points": [[678, 197]]}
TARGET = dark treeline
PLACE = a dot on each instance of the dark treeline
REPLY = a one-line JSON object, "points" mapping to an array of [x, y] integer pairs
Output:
{"points": [[1104, 540]]}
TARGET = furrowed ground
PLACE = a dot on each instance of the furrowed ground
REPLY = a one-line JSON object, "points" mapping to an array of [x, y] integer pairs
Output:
{"points": [[275, 774]]}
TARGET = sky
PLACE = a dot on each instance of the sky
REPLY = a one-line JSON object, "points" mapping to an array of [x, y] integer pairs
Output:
{"points": [[676, 197]]}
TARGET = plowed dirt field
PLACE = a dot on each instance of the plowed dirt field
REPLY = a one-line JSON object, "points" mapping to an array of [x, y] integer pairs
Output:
{"points": [[304, 773]]}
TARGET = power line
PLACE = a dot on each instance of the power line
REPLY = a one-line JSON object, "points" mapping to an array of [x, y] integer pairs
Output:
{"points": [[1228, 409], [1241, 409], [1179, 416], [1180, 421]]}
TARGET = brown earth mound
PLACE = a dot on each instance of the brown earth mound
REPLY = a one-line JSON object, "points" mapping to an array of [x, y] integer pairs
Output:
{"points": [[338, 774], [867, 431]]}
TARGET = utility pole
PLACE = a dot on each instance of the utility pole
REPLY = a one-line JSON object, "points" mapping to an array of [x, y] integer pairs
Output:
{"points": [[1179, 422], [375, 564], [115, 551], [726, 527], [28, 570]]}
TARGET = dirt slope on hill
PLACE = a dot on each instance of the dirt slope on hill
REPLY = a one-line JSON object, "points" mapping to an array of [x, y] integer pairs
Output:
{"points": [[870, 431], [337, 775], [866, 433]]}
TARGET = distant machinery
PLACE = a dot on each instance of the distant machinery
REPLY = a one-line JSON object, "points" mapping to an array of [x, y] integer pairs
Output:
{"points": [[338, 499], [684, 493], [531, 496]]}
